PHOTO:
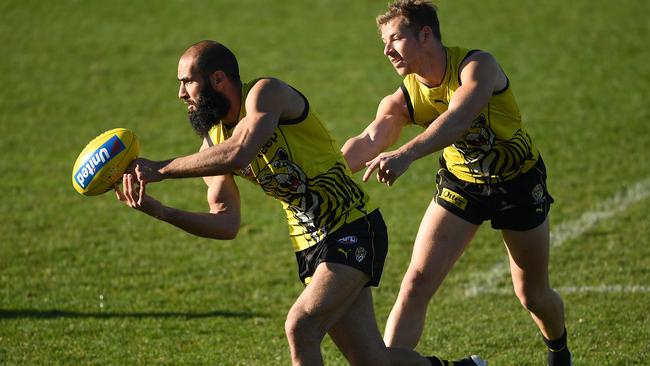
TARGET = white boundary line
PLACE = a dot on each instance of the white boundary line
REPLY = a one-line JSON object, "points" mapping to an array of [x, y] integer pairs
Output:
{"points": [[486, 282], [600, 289]]}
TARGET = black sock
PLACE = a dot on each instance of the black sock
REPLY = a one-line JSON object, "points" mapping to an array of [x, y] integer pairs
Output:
{"points": [[435, 361], [558, 351]]}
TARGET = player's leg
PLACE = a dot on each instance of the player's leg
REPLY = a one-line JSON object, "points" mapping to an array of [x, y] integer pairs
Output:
{"points": [[441, 239], [356, 334], [333, 288], [529, 254]]}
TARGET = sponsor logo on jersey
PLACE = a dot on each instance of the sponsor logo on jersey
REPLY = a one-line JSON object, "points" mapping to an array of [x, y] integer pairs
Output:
{"points": [[350, 239], [453, 198], [360, 254], [267, 145], [538, 193], [344, 252], [97, 160], [247, 171]]}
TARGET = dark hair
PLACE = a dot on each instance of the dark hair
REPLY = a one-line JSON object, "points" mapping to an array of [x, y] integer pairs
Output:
{"points": [[212, 56], [417, 13]]}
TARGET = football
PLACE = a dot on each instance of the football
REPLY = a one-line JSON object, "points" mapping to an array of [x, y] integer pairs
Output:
{"points": [[103, 161]]}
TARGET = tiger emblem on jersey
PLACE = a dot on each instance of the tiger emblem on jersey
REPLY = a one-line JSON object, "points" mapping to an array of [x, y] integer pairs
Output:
{"points": [[284, 180], [485, 156], [316, 203], [477, 142]]}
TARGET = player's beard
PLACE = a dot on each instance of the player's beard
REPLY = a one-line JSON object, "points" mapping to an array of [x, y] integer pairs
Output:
{"points": [[211, 106]]}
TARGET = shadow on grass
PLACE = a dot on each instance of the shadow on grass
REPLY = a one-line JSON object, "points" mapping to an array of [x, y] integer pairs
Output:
{"points": [[56, 314]]}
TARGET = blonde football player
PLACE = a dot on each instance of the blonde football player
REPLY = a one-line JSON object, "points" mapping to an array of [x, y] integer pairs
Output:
{"points": [[490, 169]]}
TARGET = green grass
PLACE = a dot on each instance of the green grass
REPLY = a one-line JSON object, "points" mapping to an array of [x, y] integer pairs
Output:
{"points": [[86, 281]]}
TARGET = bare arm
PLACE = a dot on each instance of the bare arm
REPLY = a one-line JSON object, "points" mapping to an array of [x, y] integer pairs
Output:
{"points": [[221, 222], [381, 133], [267, 102], [480, 77]]}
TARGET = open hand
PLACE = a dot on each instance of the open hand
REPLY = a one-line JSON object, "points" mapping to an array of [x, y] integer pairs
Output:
{"points": [[389, 165], [133, 195], [144, 171]]}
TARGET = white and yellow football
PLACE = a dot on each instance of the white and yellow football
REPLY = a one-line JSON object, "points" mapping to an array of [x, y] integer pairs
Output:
{"points": [[103, 161]]}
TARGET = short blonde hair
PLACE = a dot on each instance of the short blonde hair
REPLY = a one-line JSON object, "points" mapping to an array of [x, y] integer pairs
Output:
{"points": [[417, 13]]}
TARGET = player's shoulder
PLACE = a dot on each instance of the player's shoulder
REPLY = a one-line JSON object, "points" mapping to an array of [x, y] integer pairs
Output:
{"points": [[398, 97], [480, 56], [270, 93], [267, 84], [478, 61]]}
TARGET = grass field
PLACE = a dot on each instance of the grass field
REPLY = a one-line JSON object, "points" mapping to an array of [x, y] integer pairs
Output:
{"points": [[86, 281]]}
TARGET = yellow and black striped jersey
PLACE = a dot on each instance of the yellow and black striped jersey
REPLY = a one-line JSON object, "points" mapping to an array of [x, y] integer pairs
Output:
{"points": [[302, 167], [496, 148]]}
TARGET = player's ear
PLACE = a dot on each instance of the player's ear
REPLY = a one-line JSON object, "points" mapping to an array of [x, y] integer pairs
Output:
{"points": [[425, 33], [217, 78]]}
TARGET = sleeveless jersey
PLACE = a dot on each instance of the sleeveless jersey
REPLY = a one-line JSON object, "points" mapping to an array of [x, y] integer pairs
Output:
{"points": [[301, 166], [496, 148]]}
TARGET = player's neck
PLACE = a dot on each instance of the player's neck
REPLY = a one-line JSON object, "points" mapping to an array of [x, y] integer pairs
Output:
{"points": [[235, 97], [433, 69]]}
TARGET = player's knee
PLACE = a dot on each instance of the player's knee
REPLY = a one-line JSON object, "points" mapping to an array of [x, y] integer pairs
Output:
{"points": [[299, 326], [293, 325], [418, 285], [532, 299]]}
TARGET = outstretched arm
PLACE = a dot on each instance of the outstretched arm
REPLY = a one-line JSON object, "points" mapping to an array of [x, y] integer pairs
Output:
{"points": [[221, 222], [381, 133], [480, 77], [267, 102]]}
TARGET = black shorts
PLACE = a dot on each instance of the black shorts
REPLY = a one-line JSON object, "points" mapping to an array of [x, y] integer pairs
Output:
{"points": [[361, 244], [518, 204]]}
